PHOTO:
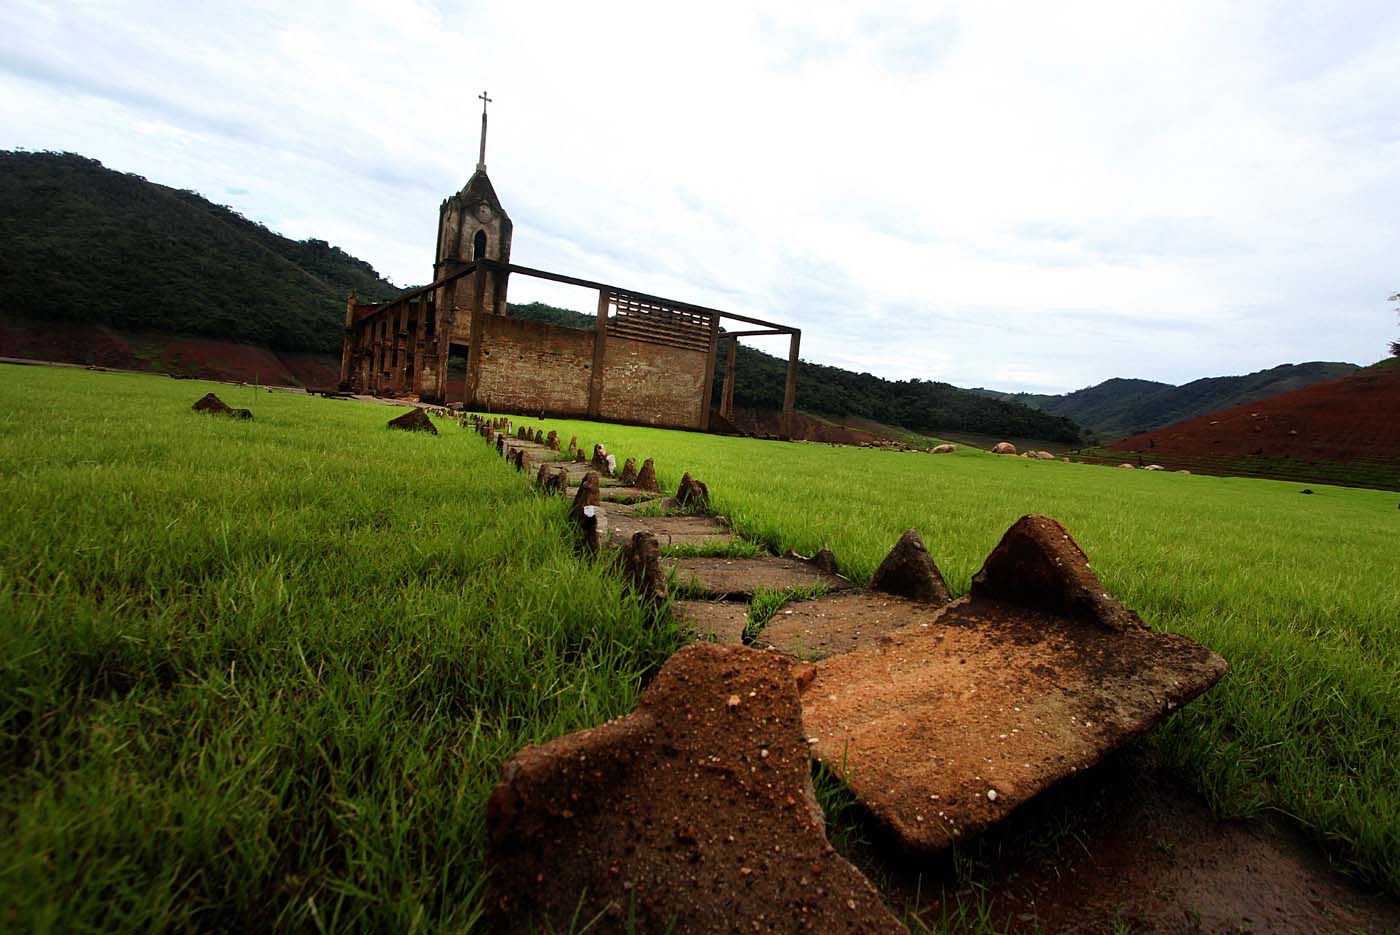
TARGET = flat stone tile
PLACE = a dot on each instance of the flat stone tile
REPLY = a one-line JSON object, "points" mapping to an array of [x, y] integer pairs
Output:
{"points": [[669, 530], [839, 623], [942, 730], [740, 577], [719, 621]]}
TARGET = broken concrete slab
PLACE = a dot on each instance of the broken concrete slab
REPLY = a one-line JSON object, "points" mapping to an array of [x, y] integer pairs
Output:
{"points": [[839, 623], [740, 577], [941, 730], [692, 814], [671, 530], [718, 621], [415, 420]]}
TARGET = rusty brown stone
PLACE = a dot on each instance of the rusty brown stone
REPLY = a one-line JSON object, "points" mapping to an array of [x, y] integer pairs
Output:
{"points": [[212, 404], [1004, 448], [599, 461], [415, 420], [542, 477], [943, 449], [579, 457], [1037, 564], [693, 814], [501, 444], [522, 433], [646, 477], [552, 440], [909, 571], [521, 460], [641, 564], [692, 494], [629, 473], [587, 513], [573, 443], [557, 482], [825, 561]]}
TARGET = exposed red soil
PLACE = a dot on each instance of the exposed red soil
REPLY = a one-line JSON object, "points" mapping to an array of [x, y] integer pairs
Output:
{"points": [[200, 358], [1125, 848], [1350, 419]]}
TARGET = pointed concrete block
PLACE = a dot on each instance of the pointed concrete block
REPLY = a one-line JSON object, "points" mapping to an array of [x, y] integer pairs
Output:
{"points": [[909, 571], [599, 461], [692, 494], [1037, 564], [587, 513], [641, 564], [629, 473], [552, 440], [693, 814], [646, 477]]}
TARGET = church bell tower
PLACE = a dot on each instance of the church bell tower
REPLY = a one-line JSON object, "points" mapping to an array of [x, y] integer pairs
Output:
{"points": [[472, 225]]}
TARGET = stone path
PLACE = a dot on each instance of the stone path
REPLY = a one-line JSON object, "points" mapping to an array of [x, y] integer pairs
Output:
{"points": [[940, 715]]}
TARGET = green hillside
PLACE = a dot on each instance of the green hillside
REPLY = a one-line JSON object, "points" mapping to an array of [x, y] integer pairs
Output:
{"points": [[80, 242], [918, 405], [1127, 407]]}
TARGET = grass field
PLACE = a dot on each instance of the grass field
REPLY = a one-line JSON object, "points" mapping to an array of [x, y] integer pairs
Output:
{"points": [[258, 675], [1301, 594]]}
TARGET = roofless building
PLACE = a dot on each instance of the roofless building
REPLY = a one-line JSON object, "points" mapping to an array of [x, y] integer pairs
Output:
{"points": [[647, 361]]}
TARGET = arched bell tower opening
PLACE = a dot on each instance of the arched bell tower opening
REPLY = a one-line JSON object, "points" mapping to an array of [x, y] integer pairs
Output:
{"points": [[479, 246]]}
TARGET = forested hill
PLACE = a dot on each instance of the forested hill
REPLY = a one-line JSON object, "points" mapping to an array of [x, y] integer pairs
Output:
{"points": [[81, 242], [919, 405], [1126, 407]]}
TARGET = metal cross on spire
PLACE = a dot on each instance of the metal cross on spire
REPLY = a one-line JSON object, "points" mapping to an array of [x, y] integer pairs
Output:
{"points": [[481, 160]]}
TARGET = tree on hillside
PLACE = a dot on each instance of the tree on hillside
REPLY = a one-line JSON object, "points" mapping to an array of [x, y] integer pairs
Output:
{"points": [[1395, 345]]}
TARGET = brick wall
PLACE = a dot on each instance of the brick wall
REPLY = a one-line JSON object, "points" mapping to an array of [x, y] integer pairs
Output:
{"points": [[527, 366], [652, 384]]}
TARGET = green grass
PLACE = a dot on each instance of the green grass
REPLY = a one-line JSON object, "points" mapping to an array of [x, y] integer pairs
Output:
{"points": [[263, 674], [1301, 594]]}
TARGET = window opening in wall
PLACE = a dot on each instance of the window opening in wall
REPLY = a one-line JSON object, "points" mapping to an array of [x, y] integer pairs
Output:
{"points": [[479, 246]]}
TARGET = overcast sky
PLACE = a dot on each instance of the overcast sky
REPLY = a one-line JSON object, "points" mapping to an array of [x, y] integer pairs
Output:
{"points": [[1026, 196]]}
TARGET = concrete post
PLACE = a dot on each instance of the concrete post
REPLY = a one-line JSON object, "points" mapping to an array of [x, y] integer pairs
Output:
{"points": [[790, 391], [600, 349], [726, 400]]}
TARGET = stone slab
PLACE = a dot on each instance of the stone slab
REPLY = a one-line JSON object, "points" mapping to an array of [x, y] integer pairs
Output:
{"points": [[740, 577], [629, 495], [693, 814], [942, 730], [839, 623], [577, 470], [713, 620], [669, 530]]}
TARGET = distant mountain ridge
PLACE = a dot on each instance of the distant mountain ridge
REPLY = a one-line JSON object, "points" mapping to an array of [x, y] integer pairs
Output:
{"points": [[1126, 406], [84, 244]]}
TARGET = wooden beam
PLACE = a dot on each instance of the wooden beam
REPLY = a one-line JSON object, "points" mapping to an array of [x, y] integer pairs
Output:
{"points": [[790, 391], [600, 349], [726, 400], [755, 334], [707, 392]]}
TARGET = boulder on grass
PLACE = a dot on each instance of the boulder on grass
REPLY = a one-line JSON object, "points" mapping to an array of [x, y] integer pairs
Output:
{"points": [[415, 420], [943, 449], [215, 406], [1003, 448]]}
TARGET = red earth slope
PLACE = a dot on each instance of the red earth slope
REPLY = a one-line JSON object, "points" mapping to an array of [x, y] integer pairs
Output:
{"points": [[1354, 420]]}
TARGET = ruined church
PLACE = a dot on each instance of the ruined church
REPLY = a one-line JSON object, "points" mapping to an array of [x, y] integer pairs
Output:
{"points": [[647, 360]]}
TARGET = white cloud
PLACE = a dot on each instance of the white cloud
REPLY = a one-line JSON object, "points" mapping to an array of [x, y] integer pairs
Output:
{"points": [[1026, 196]]}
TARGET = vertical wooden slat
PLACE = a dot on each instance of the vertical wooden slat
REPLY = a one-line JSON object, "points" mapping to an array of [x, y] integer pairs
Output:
{"points": [[790, 391], [600, 348]]}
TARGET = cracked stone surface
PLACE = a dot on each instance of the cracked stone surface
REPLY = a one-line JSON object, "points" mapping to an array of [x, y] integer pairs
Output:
{"points": [[839, 623], [695, 812], [719, 621], [670, 530], [740, 577], [941, 730]]}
